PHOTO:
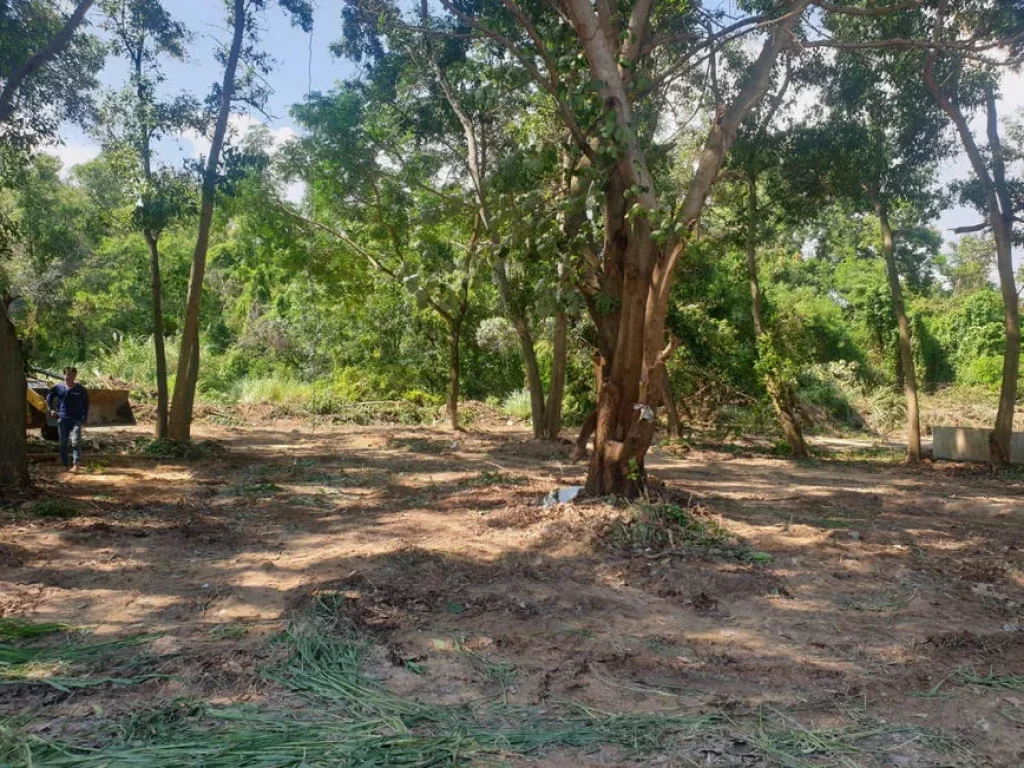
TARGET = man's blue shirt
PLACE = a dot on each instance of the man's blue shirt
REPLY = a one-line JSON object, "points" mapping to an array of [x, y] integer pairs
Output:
{"points": [[69, 402]]}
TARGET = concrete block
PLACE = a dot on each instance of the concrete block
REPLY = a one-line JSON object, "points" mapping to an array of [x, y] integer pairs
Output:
{"points": [[971, 444]]}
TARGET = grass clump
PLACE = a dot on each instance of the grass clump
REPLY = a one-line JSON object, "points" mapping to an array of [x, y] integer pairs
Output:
{"points": [[59, 509], [162, 448], [517, 405], [661, 528]]}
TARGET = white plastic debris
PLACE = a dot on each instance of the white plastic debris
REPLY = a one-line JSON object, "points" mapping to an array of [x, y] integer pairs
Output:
{"points": [[561, 495], [646, 412]]}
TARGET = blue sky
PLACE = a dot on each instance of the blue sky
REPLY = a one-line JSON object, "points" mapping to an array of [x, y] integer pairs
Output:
{"points": [[302, 63], [298, 65]]}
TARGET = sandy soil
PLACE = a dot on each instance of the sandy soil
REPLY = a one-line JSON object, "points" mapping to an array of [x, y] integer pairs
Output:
{"points": [[885, 582]]}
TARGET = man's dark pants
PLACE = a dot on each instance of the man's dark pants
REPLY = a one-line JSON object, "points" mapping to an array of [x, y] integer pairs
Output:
{"points": [[70, 430]]}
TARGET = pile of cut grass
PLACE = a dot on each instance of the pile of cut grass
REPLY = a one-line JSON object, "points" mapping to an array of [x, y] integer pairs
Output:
{"points": [[351, 720], [656, 529], [68, 664], [162, 448]]}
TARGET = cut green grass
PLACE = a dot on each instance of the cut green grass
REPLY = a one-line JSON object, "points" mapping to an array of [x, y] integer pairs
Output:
{"points": [[968, 676], [162, 448], [668, 529], [67, 665], [789, 743], [22, 628], [352, 720]]}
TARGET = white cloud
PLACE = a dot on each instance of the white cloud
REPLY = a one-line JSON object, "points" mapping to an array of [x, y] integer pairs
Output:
{"points": [[72, 153], [238, 127], [295, 192]]}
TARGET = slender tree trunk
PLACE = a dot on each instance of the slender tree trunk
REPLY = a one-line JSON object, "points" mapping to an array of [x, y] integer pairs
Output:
{"points": [[13, 457], [781, 392], [527, 350], [454, 367], [556, 389], [999, 207], [180, 424], [1002, 228], [39, 59], [672, 413], [906, 350], [158, 336]]}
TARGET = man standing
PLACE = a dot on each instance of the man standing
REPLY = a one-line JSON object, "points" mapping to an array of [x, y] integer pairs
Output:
{"points": [[69, 404]]}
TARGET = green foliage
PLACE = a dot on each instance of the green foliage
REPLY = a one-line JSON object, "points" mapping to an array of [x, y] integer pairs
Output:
{"points": [[517, 405]]}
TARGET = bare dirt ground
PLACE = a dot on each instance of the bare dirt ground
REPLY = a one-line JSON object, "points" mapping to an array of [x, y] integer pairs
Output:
{"points": [[891, 608]]}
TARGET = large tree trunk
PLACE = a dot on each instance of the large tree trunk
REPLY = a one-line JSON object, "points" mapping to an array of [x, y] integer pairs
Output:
{"points": [[906, 350], [158, 336], [454, 367], [999, 207], [39, 59], [779, 391], [13, 457], [180, 425], [556, 389], [632, 392]]}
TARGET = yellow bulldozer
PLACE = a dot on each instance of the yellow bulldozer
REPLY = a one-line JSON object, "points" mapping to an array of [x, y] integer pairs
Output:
{"points": [[107, 407]]}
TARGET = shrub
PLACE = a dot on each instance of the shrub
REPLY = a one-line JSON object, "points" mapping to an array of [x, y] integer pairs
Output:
{"points": [[517, 405]]}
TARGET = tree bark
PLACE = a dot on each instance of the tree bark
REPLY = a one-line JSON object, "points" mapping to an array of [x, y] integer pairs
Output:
{"points": [[906, 350], [780, 392], [13, 456], [39, 59], [527, 350], [1002, 228], [633, 389], [671, 412], [999, 208], [556, 389], [158, 336], [452, 406], [180, 424]]}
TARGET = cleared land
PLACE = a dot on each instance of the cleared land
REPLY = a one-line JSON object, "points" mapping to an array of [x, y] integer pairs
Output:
{"points": [[344, 595]]}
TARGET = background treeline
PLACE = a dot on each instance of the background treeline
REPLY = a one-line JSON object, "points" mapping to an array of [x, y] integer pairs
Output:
{"points": [[725, 215], [290, 323]]}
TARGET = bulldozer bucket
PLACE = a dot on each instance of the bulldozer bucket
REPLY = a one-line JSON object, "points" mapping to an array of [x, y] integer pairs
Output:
{"points": [[109, 407]]}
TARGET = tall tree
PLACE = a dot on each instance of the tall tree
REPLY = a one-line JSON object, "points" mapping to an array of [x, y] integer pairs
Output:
{"points": [[612, 107], [47, 72], [753, 157], [488, 124], [962, 84], [244, 46], [878, 151], [142, 32], [374, 161]]}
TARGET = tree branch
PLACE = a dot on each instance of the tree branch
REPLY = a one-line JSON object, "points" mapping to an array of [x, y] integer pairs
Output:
{"points": [[39, 59], [859, 11]]}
